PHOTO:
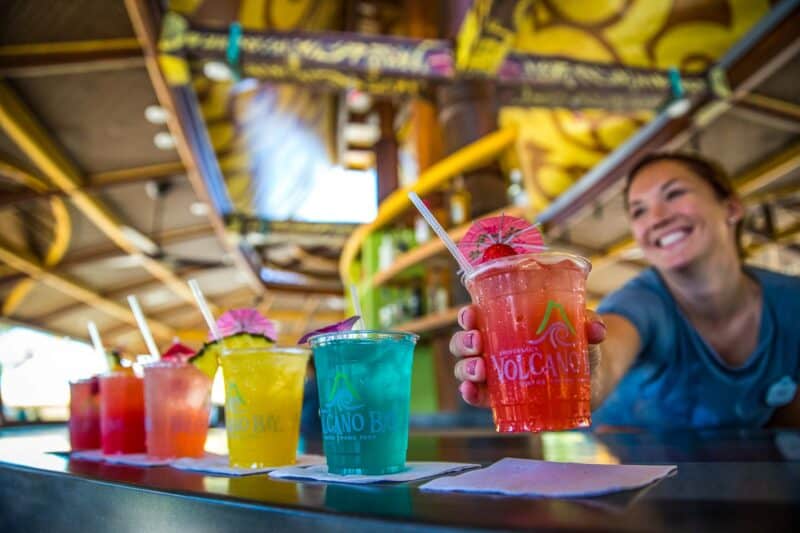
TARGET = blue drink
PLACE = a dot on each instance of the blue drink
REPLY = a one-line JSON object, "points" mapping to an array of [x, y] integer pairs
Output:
{"points": [[364, 380]]}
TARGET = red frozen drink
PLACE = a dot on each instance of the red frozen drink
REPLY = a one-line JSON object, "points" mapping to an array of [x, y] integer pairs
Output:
{"points": [[531, 312], [122, 413]]}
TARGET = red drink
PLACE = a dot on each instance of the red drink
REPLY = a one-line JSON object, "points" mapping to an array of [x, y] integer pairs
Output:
{"points": [[178, 399], [531, 312], [84, 414], [122, 413]]}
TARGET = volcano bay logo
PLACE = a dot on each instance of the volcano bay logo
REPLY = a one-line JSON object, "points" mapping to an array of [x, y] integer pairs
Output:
{"points": [[559, 334], [343, 395], [552, 354], [345, 416]]}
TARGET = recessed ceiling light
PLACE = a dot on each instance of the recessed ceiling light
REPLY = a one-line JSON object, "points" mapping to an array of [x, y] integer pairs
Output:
{"points": [[164, 140], [217, 71], [155, 114]]}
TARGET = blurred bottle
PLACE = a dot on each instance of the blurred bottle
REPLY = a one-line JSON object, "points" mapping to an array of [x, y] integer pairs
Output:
{"points": [[460, 203], [437, 292], [386, 250]]}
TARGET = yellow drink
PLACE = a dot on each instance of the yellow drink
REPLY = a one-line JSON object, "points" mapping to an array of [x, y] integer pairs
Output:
{"points": [[263, 399]]}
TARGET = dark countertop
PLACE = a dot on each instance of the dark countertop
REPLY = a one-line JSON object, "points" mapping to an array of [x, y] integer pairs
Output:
{"points": [[727, 481]]}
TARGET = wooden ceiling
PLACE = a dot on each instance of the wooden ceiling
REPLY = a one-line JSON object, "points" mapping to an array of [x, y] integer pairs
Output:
{"points": [[81, 181]]}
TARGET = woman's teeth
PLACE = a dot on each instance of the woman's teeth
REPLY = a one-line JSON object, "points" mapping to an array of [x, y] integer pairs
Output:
{"points": [[671, 238]]}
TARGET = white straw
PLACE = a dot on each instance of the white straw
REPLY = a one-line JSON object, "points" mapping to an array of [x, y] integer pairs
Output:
{"points": [[204, 309], [439, 230], [361, 323], [143, 327], [98, 344]]}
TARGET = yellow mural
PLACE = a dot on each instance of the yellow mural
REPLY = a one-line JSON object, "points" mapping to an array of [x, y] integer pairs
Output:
{"points": [[556, 147]]}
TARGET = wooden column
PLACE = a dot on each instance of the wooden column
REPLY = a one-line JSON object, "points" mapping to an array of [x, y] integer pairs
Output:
{"points": [[386, 159], [467, 112]]}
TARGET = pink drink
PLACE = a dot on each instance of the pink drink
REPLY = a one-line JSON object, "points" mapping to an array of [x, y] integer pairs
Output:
{"points": [[122, 413], [84, 414], [177, 401], [531, 313]]}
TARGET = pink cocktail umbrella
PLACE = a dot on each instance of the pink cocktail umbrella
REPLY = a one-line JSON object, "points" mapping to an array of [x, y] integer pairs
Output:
{"points": [[247, 320], [494, 237]]}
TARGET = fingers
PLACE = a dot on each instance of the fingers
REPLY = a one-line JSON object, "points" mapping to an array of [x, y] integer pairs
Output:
{"points": [[595, 328], [466, 343], [468, 317], [474, 394], [470, 369]]}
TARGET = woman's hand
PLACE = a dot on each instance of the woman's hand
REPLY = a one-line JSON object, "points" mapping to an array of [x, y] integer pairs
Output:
{"points": [[470, 368]]}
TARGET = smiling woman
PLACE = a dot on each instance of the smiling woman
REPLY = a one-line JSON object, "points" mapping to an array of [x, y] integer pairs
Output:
{"points": [[708, 341], [700, 339]]}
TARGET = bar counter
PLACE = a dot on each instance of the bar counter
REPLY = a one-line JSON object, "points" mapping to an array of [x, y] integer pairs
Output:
{"points": [[726, 481]]}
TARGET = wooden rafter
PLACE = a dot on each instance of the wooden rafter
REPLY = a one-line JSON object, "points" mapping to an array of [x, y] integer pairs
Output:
{"points": [[193, 145], [98, 182], [117, 292], [21, 125], [46, 59], [775, 167], [106, 250], [33, 268]]}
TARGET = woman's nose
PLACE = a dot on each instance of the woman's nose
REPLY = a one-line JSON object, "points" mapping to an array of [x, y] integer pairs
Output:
{"points": [[658, 213]]}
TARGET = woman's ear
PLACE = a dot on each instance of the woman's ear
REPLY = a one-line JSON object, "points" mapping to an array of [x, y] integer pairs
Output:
{"points": [[735, 210]]}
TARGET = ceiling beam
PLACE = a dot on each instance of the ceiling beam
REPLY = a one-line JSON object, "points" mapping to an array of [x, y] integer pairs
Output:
{"points": [[186, 126], [70, 57], [106, 250], [163, 238], [770, 170], [772, 107], [33, 268], [24, 129], [117, 292], [99, 182]]}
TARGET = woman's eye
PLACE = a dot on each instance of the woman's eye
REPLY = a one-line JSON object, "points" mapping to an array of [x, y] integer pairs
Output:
{"points": [[637, 212], [675, 193]]}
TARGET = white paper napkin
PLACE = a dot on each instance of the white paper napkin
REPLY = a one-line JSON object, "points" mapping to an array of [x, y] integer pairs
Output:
{"points": [[88, 455], [526, 477], [218, 464], [414, 471], [135, 459]]}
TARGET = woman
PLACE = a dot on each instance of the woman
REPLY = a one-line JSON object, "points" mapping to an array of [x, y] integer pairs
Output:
{"points": [[698, 339]]}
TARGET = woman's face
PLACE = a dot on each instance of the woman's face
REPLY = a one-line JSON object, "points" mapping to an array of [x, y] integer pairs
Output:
{"points": [[676, 218]]}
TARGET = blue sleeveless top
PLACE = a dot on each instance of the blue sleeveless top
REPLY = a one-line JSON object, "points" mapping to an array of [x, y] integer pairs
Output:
{"points": [[679, 381]]}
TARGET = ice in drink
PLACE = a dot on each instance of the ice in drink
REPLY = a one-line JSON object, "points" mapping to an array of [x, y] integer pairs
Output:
{"points": [[531, 313], [364, 381], [263, 399], [177, 402]]}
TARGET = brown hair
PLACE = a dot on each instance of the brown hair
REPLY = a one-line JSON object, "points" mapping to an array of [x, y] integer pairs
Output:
{"points": [[706, 169]]}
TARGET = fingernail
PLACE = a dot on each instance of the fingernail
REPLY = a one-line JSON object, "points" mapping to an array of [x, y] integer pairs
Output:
{"points": [[461, 316], [471, 367], [469, 341]]}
